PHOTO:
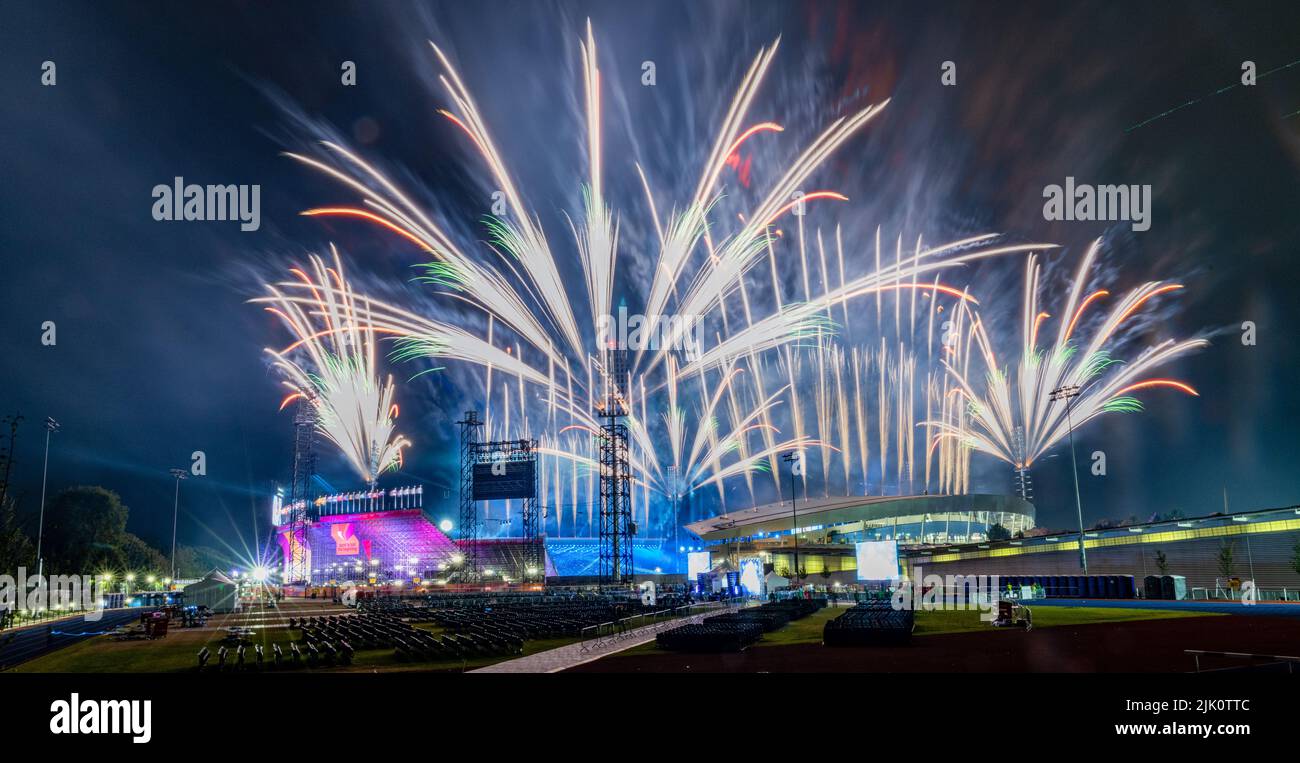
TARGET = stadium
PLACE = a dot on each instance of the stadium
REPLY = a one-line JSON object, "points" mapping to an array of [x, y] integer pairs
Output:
{"points": [[616, 344]]}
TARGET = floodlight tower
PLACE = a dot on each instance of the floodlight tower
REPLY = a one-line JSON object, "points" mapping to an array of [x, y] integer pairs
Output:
{"points": [[791, 458], [1068, 393], [51, 426], [178, 475]]}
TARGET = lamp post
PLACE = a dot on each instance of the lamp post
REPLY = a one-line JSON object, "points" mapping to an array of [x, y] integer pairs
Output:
{"points": [[792, 458], [179, 474], [1068, 393], [51, 426]]}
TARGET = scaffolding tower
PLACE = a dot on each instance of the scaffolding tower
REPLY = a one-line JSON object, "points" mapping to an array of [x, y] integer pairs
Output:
{"points": [[298, 565], [1024, 481], [468, 537], [616, 526]]}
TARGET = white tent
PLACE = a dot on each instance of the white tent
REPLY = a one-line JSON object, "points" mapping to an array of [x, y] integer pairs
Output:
{"points": [[215, 591], [773, 581]]}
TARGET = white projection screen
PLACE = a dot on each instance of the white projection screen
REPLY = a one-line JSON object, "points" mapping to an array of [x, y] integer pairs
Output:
{"points": [[877, 560], [697, 562]]}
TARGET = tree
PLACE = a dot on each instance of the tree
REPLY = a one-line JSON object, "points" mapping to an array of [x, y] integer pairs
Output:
{"points": [[16, 549], [1295, 557], [1162, 562], [998, 532], [141, 557], [85, 531], [197, 561], [1224, 558], [826, 572]]}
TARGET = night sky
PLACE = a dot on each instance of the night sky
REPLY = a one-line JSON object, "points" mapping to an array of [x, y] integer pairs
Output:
{"points": [[159, 354]]}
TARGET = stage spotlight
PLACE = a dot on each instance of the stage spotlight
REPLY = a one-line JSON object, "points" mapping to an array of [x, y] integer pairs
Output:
{"points": [[445, 525], [259, 574]]}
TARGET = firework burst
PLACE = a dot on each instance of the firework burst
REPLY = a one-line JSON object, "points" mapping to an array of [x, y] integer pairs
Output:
{"points": [[332, 365], [1014, 418]]}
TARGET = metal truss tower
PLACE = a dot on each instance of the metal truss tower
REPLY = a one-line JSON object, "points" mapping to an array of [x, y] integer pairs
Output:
{"points": [[468, 536], [1024, 481], [534, 558], [298, 565], [616, 527]]}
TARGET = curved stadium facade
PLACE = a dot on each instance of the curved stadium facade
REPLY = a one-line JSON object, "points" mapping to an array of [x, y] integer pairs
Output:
{"points": [[828, 527]]}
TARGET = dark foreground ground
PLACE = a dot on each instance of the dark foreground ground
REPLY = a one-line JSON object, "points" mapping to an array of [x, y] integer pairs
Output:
{"points": [[1149, 646]]}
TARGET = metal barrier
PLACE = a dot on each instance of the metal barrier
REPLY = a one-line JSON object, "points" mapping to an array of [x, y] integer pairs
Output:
{"points": [[1198, 653], [594, 638]]}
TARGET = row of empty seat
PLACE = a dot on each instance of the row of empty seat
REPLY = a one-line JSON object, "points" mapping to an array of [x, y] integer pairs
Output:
{"points": [[871, 623]]}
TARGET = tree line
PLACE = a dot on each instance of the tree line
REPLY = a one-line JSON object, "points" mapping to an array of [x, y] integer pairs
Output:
{"points": [[85, 533]]}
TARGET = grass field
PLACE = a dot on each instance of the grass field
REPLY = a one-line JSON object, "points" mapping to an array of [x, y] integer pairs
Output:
{"points": [[178, 652], [809, 629]]}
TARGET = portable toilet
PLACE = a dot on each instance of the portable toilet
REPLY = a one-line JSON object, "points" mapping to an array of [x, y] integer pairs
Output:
{"points": [[1173, 587]]}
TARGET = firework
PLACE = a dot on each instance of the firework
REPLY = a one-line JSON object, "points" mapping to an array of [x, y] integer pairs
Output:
{"points": [[1015, 418], [773, 372], [332, 365]]}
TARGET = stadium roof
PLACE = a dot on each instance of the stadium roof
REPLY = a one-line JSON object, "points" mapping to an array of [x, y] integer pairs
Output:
{"points": [[821, 512]]}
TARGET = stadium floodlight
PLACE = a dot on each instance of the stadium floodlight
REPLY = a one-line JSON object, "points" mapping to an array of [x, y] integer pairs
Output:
{"points": [[792, 457], [51, 426], [178, 474], [1068, 393]]}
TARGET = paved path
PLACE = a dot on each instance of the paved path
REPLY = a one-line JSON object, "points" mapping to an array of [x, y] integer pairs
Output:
{"points": [[565, 657]]}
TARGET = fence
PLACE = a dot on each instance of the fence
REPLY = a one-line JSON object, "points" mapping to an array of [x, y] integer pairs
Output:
{"points": [[599, 637]]}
